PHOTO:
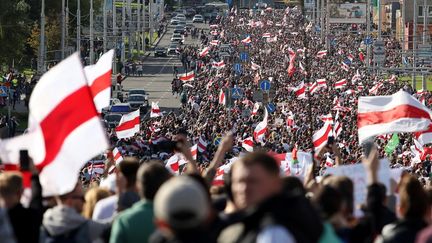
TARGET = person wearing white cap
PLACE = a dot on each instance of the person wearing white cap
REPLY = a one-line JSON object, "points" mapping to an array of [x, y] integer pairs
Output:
{"points": [[182, 211]]}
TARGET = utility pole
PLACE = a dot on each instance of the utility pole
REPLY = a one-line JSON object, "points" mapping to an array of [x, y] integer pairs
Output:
{"points": [[114, 17], [368, 35], [318, 12], [138, 28], [130, 24], [379, 19], [313, 12], [414, 46], [67, 26], [425, 27], [91, 34], [327, 25], [123, 34], [150, 22], [322, 21], [63, 30], [403, 31], [143, 27], [79, 26], [105, 26], [41, 68]]}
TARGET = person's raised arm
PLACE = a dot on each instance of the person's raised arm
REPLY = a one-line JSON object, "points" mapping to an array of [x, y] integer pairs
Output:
{"points": [[225, 146], [184, 148]]}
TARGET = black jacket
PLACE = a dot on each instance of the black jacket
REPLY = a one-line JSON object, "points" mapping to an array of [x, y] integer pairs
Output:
{"points": [[404, 230]]}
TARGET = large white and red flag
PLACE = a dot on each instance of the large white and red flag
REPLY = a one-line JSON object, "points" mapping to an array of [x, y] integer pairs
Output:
{"points": [[117, 156], [395, 113], [64, 128], [222, 97], [99, 79], [261, 129], [194, 151], [155, 111], [424, 137], [202, 144], [340, 84], [219, 65], [248, 144], [300, 91], [189, 76], [322, 53], [320, 138], [129, 125], [204, 51], [174, 162]]}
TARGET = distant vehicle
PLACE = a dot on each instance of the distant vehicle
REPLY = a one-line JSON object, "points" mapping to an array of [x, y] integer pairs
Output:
{"points": [[179, 29], [137, 101], [174, 21], [182, 23], [138, 91], [189, 26], [181, 17], [172, 49], [176, 39], [176, 35], [121, 108], [198, 19], [190, 12], [112, 120], [113, 101], [160, 52]]}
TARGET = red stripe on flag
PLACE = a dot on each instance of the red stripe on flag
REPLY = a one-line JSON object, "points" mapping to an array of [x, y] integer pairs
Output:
{"points": [[75, 109], [102, 82], [128, 125], [398, 112], [323, 138], [117, 156]]}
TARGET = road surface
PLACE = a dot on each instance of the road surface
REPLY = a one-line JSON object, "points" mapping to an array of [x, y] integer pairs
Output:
{"points": [[158, 74]]}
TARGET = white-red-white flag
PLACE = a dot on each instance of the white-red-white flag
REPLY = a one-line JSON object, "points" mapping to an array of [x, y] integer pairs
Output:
{"points": [[155, 111], [204, 51], [320, 138], [254, 66], [219, 65], [99, 79], [375, 88], [322, 53], [214, 42], [186, 77], [300, 91], [345, 66], [117, 156], [247, 40], [266, 35], [255, 108], [248, 144], [194, 151], [356, 77], [202, 144], [174, 162], [64, 128], [340, 84], [261, 129], [327, 118], [337, 129], [222, 97], [424, 137], [129, 125], [395, 113]]}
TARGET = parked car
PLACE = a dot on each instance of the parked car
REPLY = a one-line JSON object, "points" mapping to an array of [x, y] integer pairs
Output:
{"points": [[138, 101], [176, 39], [113, 101], [160, 52], [198, 19], [112, 120]]}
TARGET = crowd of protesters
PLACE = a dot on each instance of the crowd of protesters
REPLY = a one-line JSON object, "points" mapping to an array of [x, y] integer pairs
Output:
{"points": [[142, 200]]}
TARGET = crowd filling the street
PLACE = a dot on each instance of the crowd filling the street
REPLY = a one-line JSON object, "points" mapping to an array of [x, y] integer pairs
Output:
{"points": [[281, 136]]}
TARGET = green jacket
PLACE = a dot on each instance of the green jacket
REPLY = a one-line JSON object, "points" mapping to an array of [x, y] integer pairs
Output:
{"points": [[134, 224]]}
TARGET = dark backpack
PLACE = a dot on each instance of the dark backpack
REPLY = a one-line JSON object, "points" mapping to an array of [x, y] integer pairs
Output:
{"points": [[78, 235]]}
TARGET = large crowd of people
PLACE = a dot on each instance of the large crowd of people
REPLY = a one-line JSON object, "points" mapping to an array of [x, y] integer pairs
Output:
{"points": [[226, 193]]}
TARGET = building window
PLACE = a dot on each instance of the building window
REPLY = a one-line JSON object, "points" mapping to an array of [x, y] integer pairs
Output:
{"points": [[420, 11]]}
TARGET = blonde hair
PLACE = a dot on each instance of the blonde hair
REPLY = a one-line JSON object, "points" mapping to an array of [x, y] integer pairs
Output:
{"points": [[92, 196], [10, 183]]}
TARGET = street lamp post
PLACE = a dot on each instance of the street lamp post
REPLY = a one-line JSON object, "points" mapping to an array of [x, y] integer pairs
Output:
{"points": [[91, 34], [41, 67], [79, 26], [63, 30], [425, 27], [414, 45]]}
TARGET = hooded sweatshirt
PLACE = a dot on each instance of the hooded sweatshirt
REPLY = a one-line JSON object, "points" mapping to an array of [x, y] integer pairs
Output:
{"points": [[62, 219]]}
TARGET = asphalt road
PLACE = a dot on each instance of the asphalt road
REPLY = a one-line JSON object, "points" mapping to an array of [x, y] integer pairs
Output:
{"points": [[158, 74]]}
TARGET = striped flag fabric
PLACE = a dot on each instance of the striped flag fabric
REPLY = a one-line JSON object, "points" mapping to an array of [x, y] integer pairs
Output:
{"points": [[327, 118], [350, 57], [129, 125], [320, 138], [261, 129], [65, 130], [361, 56], [424, 137], [395, 113], [202, 144], [321, 53], [174, 162], [222, 97], [255, 109], [248, 144], [375, 88], [186, 77], [155, 111], [340, 84], [356, 77], [214, 42], [291, 66], [266, 35], [246, 40], [337, 129], [345, 66], [321, 82], [219, 65], [99, 79], [204, 51], [300, 91], [117, 156], [194, 151]]}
